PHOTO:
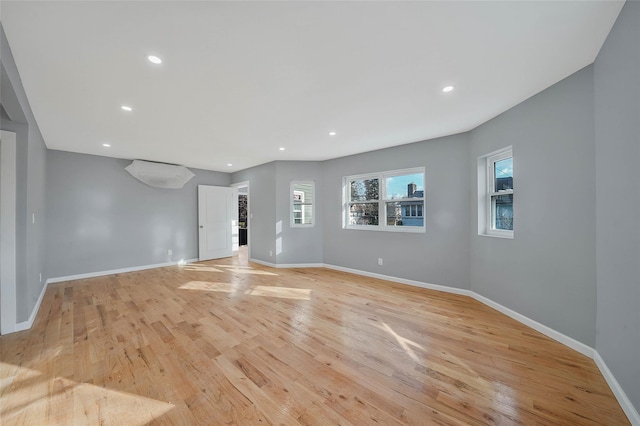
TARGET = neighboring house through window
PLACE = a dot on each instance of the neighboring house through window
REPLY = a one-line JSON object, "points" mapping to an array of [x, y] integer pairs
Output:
{"points": [[385, 201], [302, 209], [495, 183]]}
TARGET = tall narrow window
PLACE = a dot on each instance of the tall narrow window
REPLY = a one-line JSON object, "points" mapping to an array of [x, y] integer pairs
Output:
{"points": [[502, 194], [498, 211], [302, 198]]}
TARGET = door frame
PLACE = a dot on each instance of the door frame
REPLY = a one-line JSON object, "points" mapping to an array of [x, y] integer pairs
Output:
{"points": [[8, 182], [235, 187]]}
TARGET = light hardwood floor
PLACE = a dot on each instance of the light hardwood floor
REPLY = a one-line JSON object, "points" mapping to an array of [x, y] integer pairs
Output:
{"points": [[226, 342]]}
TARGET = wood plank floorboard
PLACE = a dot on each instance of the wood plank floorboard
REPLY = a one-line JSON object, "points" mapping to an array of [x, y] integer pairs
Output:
{"points": [[231, 342]]}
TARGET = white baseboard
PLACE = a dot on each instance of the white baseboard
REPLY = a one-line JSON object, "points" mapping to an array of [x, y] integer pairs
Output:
{"points": [[623, 399], [547, 331], [25, 325], [428, 286], [299, 265], [262, 262], [116, 271]]}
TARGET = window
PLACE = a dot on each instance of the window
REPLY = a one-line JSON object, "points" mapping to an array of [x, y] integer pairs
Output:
{"points": [[302, 194], [385, 201], [413, 210], [497, 195]]}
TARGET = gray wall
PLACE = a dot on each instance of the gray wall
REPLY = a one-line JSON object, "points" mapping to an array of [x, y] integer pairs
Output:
{"points": [[617, 140], [262, 224], [30, 191], [269, 203], [299, 245], [101, 218], [547, 272], [439, 256]]}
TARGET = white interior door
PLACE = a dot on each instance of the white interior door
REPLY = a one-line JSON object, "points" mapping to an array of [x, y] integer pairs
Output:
{"points": [[215, 216]]}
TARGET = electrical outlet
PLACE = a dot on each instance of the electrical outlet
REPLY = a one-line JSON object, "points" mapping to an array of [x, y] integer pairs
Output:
{"points": [[33, 218], [170, 252], [380, 261], [270, 253], [40, 276]]}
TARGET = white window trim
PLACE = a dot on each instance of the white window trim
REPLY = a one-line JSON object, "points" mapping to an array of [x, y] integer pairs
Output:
{"points": [[382, 225], [486, 191], [312, 204]]}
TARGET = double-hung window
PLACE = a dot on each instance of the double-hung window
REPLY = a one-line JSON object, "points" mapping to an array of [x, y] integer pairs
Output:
{"points": [[302, 194], [385, 201], [498, 209]]}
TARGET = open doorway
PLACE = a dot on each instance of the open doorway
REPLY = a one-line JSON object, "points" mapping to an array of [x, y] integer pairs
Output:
{"points": [[241, 231]]}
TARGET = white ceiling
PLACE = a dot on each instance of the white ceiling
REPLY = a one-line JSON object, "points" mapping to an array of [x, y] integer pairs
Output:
{"points": [[242, 79]]}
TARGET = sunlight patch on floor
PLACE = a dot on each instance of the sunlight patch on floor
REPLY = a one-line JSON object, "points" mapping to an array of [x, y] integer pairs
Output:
{"points": [[208, 286], [504, 396], [234, 267], [404, 343], [29, 395], [259, 290], [282, 292], [230, 268], [250, 271], [201, 268]]}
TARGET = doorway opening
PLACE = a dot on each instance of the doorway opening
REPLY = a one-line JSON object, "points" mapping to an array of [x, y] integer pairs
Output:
{"points": [[242, 235]]}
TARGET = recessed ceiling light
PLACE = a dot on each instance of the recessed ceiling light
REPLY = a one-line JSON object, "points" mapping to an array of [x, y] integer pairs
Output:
{"points": [[281, 148], [447, 89], [106, 145], [332, 133], [126, 108], [229, 164], [154, 59]]}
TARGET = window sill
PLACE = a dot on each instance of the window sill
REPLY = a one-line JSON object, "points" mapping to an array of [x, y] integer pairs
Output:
{"points": [[503, 236], [405, 230]]}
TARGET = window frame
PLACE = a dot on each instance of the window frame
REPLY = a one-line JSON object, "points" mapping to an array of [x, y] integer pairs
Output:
{"points": [[490, 193], [382, 201], [292, 204]]}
